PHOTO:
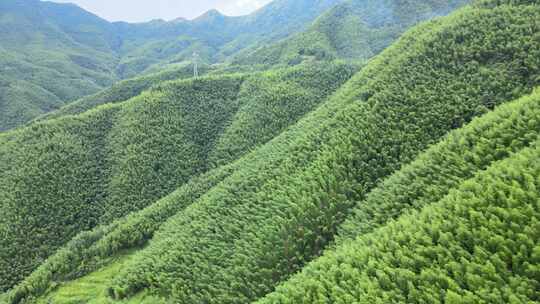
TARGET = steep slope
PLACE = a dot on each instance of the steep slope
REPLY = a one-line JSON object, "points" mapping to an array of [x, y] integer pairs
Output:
{"points": [[285, 201], [460, 156], [93, 168], [472, 239], [354, 29], [241, 229], [263, 223], [127, 89], [52, 54]]}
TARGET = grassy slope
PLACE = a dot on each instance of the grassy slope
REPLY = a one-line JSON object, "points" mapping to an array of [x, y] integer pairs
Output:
{"points": [[130, 154], [89, 289], [476, 243], [258, 226]]}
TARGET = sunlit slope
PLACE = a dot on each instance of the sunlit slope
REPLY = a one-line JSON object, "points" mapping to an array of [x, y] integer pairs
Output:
{"points": [[127, 89], [460, 156], [259, 226], [476, 243], [275, 209], [89, 289], [353, 30], [66, 175]]}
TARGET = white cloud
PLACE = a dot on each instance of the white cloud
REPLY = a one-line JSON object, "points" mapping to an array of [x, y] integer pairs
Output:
{"points": [[242, 7]]}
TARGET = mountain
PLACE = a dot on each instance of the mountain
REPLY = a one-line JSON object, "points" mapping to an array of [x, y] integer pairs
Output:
{"points": [[49, 54], [267, 220], [52, 54], [352, 30], [222, 189], [65, 175], [449, 240]]}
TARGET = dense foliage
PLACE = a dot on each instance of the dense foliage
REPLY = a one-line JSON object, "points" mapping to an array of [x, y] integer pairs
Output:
{"points": [[66, 175], [354, 29], [445, 166], [261, 224], [123, 90], [270, 167], [474, 241], [52, 54]]}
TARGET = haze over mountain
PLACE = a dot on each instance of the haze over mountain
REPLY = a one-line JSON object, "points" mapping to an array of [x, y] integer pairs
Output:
{"points": [[144, 11], [351, 151]]}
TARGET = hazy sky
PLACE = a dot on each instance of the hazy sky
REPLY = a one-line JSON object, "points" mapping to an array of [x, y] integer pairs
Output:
{"points": [[145, 10]]}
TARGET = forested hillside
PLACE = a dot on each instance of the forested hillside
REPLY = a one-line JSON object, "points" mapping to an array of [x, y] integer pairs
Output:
{"points": [[52, 54], [353, 30], [123, 91], [62, 176], [465, 228], [254, 230], [241, 223], [47, 58]]}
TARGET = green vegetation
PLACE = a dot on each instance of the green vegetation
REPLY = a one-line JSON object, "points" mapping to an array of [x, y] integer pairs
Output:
{"points": [[122, 91], [445, 166], [52, 54], [353, 30], [413, 179], [87, 289], [259, 226], [474, 241], [494, 137], [106, 163]]}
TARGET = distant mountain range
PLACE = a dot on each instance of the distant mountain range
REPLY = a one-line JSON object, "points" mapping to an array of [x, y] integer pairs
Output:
{"points": [[53, 53], [352, 29]]}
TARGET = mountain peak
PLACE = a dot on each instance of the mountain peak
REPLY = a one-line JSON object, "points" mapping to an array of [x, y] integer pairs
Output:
{"points": [[179, 20], [211, 14]]}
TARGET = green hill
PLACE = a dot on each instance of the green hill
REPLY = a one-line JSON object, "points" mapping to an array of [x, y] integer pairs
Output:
{"points": [[352, 30], [260, 226], [235, 232], [312, 184], [49, 54], [62, 176], [458, 225], [52, 54], [127, 89], [122, 91], [501, 135]]}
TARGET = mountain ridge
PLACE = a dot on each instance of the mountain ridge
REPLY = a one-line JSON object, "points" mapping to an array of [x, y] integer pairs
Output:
{"points": [[69, 52], [411, 174]]}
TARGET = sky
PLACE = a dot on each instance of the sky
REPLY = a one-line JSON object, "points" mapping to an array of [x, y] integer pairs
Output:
{"points": [[146, 10]]}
